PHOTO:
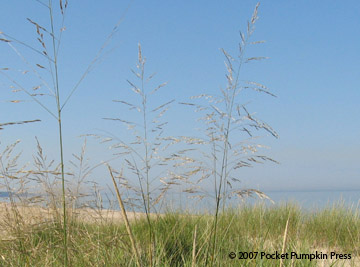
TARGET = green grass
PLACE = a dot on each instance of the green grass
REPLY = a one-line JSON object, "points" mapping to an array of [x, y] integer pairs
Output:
{"points": [[247, 229]]}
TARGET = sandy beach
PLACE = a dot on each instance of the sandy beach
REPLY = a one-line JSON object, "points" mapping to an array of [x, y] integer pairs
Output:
{"points": [[36, 215]]}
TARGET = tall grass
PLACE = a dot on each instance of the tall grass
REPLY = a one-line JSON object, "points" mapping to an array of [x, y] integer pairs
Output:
{"points": [[49, 43], [223, 117], [246, 228], [148, 156], [226, 119]]}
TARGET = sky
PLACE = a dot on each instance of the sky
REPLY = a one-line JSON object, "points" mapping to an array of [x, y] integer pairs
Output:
{"points": [[312, 69]]}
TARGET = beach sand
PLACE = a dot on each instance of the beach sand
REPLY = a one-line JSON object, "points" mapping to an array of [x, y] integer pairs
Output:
{"points": [[28, 216]]}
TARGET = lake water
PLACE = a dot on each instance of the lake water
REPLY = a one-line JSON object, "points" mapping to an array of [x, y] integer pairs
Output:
{"points": [[317, 199], [308, 200]]}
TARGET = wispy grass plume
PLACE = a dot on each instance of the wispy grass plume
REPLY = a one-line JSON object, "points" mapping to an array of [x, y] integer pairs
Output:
{"points": [[229, 126]]}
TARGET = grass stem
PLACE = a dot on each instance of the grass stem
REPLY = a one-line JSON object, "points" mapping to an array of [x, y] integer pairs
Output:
{"points": [[127, 224]]}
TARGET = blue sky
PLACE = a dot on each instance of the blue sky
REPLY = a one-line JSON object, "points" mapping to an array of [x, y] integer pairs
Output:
{"points": [[312, 67]]}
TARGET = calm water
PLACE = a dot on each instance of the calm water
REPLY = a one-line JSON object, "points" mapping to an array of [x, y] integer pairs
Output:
{"points": [[308, 200], [317, 199]]}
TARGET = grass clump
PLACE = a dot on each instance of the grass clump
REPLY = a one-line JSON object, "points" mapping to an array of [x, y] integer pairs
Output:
{"points": [[341, 229], [246, 229]]}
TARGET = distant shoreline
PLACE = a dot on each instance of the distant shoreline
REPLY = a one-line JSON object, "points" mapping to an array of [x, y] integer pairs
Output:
{"points": [[307, 200], [36, 214]]}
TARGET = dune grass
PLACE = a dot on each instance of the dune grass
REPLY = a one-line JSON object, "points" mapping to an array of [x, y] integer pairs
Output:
{"points": [[255, 228]]}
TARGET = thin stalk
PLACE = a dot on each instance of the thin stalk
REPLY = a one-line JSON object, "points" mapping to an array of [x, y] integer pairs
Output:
{"points": [[63, 192], [145, 141], [223, 177], [127, 224], [144, 102], [146, 211], [285, 240], [193, 264], [60, 137], [221, 193], [97, 56]]}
